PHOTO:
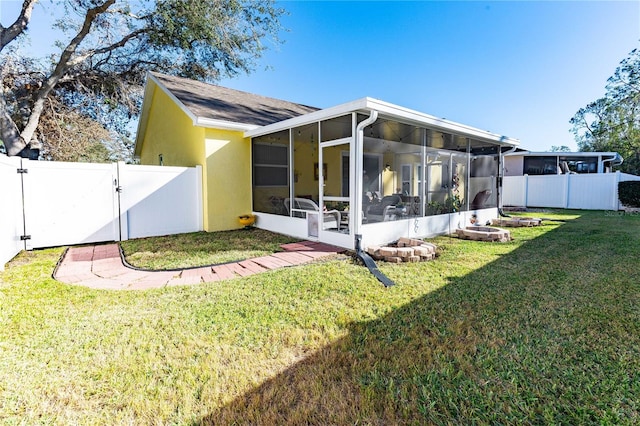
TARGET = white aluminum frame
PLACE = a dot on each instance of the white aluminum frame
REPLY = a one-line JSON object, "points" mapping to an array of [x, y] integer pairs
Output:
{"points": [[424, 225]]}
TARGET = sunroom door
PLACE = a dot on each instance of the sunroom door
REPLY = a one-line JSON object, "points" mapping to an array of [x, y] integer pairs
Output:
{"points": [[336, 225]]}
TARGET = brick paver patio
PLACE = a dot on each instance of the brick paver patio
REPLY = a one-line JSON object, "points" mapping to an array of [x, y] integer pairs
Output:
{"points": [[101, 267]]}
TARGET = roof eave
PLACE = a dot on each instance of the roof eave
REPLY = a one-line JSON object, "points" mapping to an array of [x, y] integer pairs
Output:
{"points": [[420, 118], [224, 125], [565, 153], [385, 108], [144, 116], [321, 114]]}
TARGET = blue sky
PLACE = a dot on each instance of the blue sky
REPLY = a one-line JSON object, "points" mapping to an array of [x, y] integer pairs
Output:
{"points": [[520, 69]]}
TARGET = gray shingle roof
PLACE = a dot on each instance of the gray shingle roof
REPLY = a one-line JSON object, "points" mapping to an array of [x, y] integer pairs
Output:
{"points": [[220, 103]]}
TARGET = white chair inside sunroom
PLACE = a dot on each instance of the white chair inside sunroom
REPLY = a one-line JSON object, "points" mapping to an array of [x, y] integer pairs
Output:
{"points": [[331, 218]]}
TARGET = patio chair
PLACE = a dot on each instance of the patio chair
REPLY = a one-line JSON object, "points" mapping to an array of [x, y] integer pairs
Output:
{"points": [[331, 218], [384, 210], [480, 199]]}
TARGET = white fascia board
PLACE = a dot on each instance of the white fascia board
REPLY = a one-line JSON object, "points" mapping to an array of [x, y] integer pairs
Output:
{"points": [[430, 121], [391, 111], [322, 114], [563, 154], [144, 114], [223, 125]]}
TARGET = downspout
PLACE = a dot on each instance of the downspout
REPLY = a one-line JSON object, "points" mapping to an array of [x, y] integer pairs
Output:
{"points": [[357, 208], [501, 180], [616, 160], [359, 148]]}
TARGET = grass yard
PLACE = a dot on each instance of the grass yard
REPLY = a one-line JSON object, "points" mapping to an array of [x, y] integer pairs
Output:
{"points": [[201, 248], [541, 330]]}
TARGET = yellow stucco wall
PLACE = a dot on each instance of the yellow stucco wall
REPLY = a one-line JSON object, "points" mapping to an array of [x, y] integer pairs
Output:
{"points": [[171, 132], [225, 158], [228, 178], [305, 155], [332, 157]]}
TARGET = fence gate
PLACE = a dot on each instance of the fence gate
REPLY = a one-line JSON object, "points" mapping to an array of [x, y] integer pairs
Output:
{"points": [[48, 203], [11, 223], [69, 203]]}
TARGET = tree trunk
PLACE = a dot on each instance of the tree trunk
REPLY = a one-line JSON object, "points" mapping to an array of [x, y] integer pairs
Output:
{"points": [[9, 133]]}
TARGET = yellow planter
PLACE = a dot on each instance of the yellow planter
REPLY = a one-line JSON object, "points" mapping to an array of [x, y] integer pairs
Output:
{"points": [[247, 220]]}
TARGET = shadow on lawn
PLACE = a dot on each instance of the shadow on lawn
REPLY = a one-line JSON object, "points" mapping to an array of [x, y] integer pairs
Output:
{"points": [[509, 343]]}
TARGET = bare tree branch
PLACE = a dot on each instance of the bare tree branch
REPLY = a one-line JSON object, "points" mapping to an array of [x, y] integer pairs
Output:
{"points": [[7, 35], [81, 58], [62, 65]]}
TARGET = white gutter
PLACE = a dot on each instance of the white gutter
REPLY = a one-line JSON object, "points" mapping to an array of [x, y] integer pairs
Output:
{"points": [[616, 160], [359, 149]]}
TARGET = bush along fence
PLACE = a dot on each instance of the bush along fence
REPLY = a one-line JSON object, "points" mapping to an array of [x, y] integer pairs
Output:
{"points": [[51, 204], [629, 193]]}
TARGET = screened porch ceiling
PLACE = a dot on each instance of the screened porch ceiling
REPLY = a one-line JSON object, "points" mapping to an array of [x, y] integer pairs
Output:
{"points": [[394, 123], [384, 131]]}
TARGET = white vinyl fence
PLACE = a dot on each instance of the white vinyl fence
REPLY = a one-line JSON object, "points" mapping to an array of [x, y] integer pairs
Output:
{"points": [[46, 203], [598, 191], [11, 226]]}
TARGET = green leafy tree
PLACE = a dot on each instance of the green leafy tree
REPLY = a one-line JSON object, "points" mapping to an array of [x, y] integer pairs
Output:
{"points": [[612, 123], [561, 148], [107, 47]]}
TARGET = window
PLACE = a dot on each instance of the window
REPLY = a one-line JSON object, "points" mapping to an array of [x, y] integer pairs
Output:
{"points": [[540, 165], [270, 164]]}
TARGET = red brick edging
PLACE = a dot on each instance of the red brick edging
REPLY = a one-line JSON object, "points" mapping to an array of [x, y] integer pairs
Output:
{"points": [[102, 267]]}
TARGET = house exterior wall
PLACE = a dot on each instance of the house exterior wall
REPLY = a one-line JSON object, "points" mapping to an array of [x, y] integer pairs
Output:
{"points": [[305, 156], [171, 132], [514, 165], [225, 157], [227, 179]]}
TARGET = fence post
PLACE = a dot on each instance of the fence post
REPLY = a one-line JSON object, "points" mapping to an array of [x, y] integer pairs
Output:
{"points": [[200, 206], [122, 222], [526, 190], [567, 190], [615, 191]]}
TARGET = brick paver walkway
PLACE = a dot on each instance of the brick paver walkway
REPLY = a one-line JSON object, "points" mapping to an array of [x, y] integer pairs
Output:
{"points": [[101, 267]]}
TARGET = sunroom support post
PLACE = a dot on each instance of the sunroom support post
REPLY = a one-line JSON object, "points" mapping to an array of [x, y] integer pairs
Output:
{"points": [[467, 184], [291, 173], [423, 173], [357, 155]]}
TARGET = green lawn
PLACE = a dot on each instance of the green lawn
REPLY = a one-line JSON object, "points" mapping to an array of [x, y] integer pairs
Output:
{"points": [[542, 330], [201, 248]]}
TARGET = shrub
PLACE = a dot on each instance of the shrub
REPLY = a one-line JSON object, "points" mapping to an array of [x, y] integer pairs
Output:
{"points": [[629, 193]]}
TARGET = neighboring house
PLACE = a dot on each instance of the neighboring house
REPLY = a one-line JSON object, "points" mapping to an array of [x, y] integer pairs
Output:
{"points": [[522, 162], [568, 180], [364, 168]]}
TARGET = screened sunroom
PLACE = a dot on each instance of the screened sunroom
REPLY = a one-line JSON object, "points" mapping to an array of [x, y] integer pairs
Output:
{"points": [[376, 170]]}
